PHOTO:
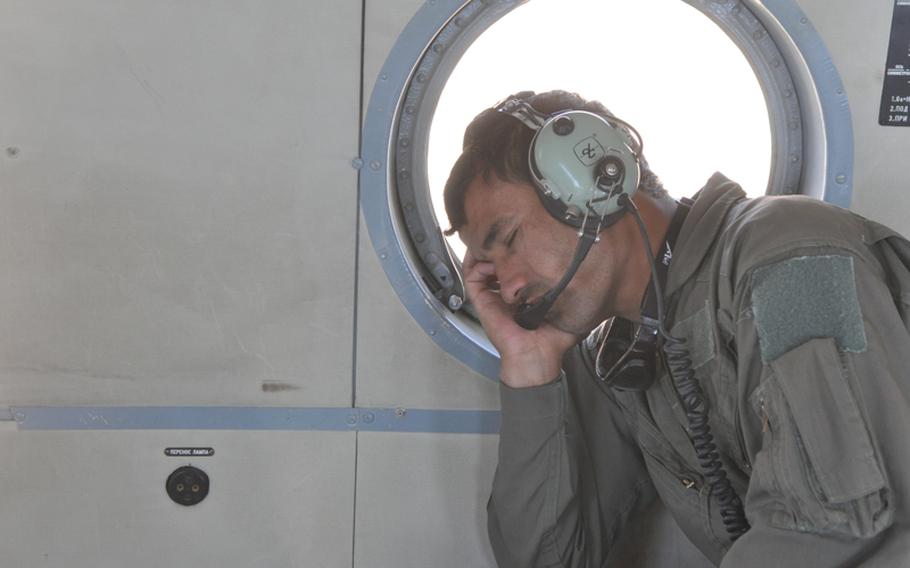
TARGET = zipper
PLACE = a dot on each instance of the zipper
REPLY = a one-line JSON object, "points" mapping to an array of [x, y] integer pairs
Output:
{"points": [[744, 460], [688, 479]]}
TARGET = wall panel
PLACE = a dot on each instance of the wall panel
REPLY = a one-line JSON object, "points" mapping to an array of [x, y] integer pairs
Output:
{"points": [[81, 499], [421, 500], [177, 205]]}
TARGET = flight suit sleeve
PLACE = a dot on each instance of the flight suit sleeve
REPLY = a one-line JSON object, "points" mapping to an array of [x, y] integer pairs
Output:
{"points": [[828, 420], [547, 507]]}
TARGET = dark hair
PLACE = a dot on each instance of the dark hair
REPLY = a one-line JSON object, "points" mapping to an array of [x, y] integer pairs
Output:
{"points": [[496, 144]]}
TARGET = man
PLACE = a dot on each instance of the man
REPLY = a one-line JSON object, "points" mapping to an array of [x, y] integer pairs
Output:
{"points": [[795, 318]]}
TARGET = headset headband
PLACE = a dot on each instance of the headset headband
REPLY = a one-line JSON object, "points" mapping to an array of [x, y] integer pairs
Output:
{"points": [[580, 162]]}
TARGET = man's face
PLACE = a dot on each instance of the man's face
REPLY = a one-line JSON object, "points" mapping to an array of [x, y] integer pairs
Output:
{"points": [[531, 251]]}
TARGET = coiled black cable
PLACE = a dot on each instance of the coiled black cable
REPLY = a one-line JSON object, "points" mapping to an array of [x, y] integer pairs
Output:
{"points": [[693, 400], [689, 390]]}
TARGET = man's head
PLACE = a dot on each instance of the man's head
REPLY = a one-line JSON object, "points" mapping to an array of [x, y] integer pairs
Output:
{"points": [[491, 202], [496, 145]]}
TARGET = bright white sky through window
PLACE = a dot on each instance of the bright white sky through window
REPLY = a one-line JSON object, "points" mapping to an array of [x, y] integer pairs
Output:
{"points": [[661, 65]]}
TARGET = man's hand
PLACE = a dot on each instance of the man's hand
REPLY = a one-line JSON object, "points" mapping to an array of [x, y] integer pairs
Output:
{"points": [[529, 357]]}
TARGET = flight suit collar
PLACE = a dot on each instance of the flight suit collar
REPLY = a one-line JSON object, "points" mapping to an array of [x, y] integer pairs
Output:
{"points": [[702, 228]]}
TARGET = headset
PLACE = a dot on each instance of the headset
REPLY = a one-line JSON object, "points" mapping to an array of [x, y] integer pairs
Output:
{"points": [[586, 168], [582, 165]]}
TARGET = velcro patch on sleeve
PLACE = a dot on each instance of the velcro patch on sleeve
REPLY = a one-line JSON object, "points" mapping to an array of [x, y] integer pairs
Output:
{"points": [[805, 298]]}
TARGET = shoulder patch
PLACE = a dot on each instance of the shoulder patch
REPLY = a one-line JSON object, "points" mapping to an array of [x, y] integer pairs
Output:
{"points": [[804, 298]]}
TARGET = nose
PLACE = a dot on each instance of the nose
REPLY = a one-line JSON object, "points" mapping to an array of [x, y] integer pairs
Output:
{"points": [[512, 283]]}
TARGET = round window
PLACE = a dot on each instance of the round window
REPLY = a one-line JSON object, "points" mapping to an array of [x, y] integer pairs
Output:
{"points": [[712, 85], [658, 73]]}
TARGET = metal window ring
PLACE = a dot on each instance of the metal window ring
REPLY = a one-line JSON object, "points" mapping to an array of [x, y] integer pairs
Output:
{"points": [[811, 135]]}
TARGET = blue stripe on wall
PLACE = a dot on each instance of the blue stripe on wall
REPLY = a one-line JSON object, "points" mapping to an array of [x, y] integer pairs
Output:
{"points": [[255, 418]]}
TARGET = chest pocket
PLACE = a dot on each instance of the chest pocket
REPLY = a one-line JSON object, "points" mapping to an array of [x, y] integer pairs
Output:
{"points": [[817, 470]]}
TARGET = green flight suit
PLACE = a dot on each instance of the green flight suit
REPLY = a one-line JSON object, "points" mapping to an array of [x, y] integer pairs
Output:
{"points": [[796, 316]]}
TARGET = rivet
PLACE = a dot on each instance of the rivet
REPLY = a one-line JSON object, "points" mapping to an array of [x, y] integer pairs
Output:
{"points": [[384, 76], [420, 237], [841, 178], [357, 163], [737, 9], [840, 91], [432, 332], [400, 412], [459, 21], [383, 256], [20, 417], [788, 93], [368, 418], [438, 48], [408, 206], [404, 142], [455, 302], [775, 63], [421, 77], [352, 419], [758, 34], [375, 164], [804, 20], [404, 174], [794, 158]]}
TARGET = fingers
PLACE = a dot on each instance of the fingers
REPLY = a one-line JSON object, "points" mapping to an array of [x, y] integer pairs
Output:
{"points": [[483, 291], [480, 281], [468, 262], [478, 273], [515, 344], [478, 270]]}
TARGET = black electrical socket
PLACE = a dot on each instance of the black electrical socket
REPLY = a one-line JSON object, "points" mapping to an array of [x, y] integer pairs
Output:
{"points": [[187, 485]]}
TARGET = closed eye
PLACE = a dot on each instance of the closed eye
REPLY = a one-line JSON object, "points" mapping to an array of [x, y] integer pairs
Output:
{"points": [[511, 237]]}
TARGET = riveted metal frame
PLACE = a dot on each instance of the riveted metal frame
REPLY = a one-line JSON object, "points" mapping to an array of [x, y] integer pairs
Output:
{"points": [[811, 132]]}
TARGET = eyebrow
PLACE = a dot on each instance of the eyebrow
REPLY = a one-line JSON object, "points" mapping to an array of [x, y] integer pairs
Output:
{"points": [[492, 233]]}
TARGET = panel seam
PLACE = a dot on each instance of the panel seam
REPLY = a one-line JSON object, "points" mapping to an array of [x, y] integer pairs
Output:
{"points": [[357, 209], [363, 17]]}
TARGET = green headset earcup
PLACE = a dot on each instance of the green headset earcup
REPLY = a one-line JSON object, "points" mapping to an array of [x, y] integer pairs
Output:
{"points": [[566, 157]]}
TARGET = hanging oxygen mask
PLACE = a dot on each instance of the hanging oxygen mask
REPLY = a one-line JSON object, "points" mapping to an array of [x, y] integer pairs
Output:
{"points": [[586, 168]]}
